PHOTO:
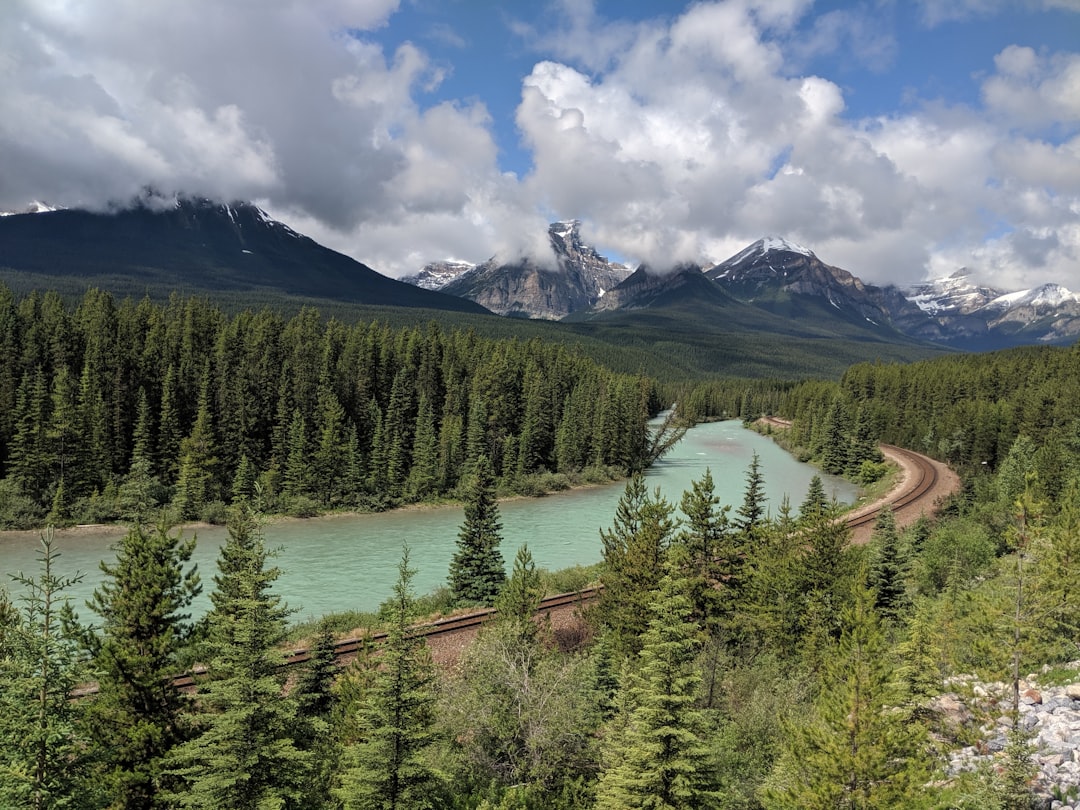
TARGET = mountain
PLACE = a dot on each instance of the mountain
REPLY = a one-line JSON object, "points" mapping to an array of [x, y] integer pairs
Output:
{"points": [[193, 246], [978, 318], [789, 280], [696, 324], [526, 288], [437, 275], [646, 289]]}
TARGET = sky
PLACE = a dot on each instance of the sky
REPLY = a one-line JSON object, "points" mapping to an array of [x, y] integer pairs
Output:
{"points": [[898, 139]]}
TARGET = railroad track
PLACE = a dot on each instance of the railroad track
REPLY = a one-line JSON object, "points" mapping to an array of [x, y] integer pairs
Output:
{"points": [[924, 479], [348, 648]]}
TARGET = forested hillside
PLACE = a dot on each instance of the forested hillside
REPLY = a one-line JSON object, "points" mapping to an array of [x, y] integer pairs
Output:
{"points": [[108, 410], [738, 658]]}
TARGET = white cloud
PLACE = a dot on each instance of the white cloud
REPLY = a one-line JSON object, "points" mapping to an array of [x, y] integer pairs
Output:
{"points": [[685, 136]]}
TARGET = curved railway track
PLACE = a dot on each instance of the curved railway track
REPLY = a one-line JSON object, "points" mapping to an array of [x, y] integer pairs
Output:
{"points": [[912, 491], [924, 480]]}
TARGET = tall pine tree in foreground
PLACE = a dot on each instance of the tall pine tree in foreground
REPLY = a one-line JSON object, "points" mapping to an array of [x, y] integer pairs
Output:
{"points": [[635, 548], [862, 748], [244, 757], [656, 757], [477, 570], [136, 716], [385, 768], [42, 752]]}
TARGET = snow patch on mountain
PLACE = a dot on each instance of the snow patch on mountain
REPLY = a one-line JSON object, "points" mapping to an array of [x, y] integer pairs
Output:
{"points": [[35, 207], [1045, 296]]}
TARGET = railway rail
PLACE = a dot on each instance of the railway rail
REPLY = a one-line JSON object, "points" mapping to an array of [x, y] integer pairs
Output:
{"points": [[913, 490]]}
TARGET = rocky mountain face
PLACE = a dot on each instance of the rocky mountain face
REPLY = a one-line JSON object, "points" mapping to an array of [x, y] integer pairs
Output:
{"points": [[576, 280], [437, 275], [775, 274], [645, 289], [783, 277], [196, 245], [979, 317]]}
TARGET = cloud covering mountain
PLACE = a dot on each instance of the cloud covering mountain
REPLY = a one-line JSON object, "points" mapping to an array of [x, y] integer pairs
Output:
{"points": [[675, 133]]}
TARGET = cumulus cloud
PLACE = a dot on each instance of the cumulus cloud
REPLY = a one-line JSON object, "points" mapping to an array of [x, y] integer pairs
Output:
{"points": [[682, 137], [698, 137]]}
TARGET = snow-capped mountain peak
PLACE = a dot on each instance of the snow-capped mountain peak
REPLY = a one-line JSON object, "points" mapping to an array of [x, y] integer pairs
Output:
{"points": [[35, 207], [771, 243], [957, 293], [1045, 295]]}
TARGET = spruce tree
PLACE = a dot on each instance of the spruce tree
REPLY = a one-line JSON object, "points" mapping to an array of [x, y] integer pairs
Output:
{"points": [[659, 758], [477, 570], [635, 548], [861, 748], [888, 567], [519, 599], [136, 717], [42, 747], [815, 502], [386, 767], [316, 701], [714, 552], [752, 511], [244, 756]]}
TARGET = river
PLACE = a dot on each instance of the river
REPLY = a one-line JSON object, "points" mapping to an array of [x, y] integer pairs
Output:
{"points": [[349, 562]]}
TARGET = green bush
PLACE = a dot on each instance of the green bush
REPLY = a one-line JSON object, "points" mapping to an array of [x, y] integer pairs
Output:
{"points": [[214, 512], [16, 510], [956, 551], [871, 471], [301, 506]]}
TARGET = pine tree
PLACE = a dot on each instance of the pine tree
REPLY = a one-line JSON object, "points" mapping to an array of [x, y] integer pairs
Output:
{"points": [[316, 701], [752, 511], [714, 552], [298, 462], [659, 760], [244, 756], [519, 599], [477, 570], [888, 567], [635, 549], [862, 748], [815, 502], [195, 485], [42, 747], [386, 767], [136, 717]]}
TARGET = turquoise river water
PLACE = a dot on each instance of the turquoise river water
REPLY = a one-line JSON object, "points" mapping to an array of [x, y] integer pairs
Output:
{"points": [[349, 562]]}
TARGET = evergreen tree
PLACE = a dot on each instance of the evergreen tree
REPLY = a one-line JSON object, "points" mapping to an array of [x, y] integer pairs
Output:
{"points": [[198, 463], [298, 462], [316, 702], [713, 551], [244, 756], [386, 767], [659, 759], [888, 567], [42, 749], [752, 511], [519, 599], [477, 570], [836, 444], [136, 717], [861, 748], [815, 502], [635, 549]]}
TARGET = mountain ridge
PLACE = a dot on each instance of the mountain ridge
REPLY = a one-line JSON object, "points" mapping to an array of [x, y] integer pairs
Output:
{"points": [[199, 244]]}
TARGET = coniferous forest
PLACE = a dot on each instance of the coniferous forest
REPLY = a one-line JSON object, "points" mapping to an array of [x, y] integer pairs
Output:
{"points": [[108, 411], [738, 657]]}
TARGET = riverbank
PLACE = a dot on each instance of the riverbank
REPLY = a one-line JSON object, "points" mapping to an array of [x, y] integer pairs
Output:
{"points": [[585, 480]]}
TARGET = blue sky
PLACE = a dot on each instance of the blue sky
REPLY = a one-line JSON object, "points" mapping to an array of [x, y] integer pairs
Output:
{"points": [[900, 139]]}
